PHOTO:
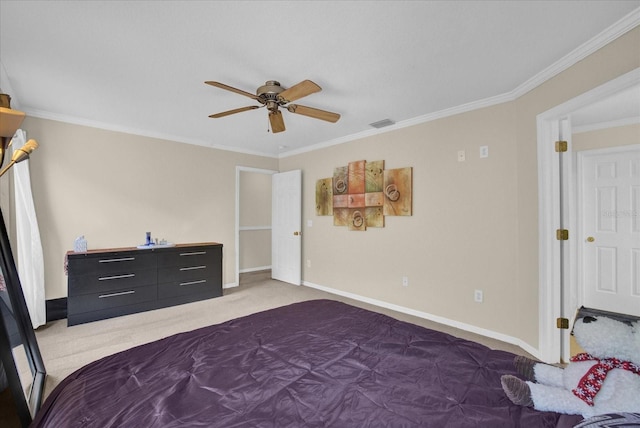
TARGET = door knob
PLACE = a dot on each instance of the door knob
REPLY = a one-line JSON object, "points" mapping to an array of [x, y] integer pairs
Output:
{"points": [[296, 233], [591, 239]]}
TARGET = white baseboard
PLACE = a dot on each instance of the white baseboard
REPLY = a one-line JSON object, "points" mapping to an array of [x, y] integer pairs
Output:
{"points": [[255, 269], [435, 318]]}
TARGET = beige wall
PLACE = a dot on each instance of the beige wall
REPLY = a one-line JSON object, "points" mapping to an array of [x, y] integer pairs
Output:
{"points": [[255, 250], [461, 236], [475, 223], [114, 187], [604, 138]]}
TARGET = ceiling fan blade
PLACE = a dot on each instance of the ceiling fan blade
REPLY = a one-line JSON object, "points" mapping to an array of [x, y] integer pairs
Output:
{"points": [[314, 112], [276, 120], [234, 111], [302, 89], [232, 89]]}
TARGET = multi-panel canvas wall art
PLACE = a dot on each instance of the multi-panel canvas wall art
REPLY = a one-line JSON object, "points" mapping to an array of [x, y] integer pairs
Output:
{"points": [[362, 193]]}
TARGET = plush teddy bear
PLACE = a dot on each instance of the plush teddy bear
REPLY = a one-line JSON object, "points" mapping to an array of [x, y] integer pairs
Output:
{"points": [[606, 379]]}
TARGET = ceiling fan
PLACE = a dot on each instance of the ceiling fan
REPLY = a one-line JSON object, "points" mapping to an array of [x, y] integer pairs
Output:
{"points": [[272, 96]]}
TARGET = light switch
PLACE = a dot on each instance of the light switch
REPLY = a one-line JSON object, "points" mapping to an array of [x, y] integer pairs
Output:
{"points": [[484, 151]]}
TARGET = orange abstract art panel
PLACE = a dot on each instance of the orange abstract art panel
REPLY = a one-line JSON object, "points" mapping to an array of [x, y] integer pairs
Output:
{"points": [[375, 199], [356, 201], [374, 176], [340, 216], [356, 177], [374, 217], [340, 201], [356, 220], [362, 193], [397, 191], [340, 181], [324, 197]]}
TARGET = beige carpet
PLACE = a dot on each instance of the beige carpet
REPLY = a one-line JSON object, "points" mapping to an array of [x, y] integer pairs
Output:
{"points": [[65, 349]]}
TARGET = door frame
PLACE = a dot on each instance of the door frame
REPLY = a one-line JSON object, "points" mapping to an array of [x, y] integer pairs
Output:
{"points": [[240, 169], [551, 347]]}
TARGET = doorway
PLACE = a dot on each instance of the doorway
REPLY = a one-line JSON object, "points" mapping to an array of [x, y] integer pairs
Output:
{"points": [[559, 294], [253, 220]]}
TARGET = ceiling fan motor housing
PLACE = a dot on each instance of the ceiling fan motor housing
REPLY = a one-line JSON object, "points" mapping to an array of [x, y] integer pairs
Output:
{"points": [[268, 94]]}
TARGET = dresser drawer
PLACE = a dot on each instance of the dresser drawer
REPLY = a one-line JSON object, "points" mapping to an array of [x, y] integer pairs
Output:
{"points": [[187, 273], [104, 282], [195, 256], [110, 263], [185, 288], [112, 299]]}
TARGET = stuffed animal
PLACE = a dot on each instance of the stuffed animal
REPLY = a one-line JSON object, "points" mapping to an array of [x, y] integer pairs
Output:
{"points": [[606, 379]]}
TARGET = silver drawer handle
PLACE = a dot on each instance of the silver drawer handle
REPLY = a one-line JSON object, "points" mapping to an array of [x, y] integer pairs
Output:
{"points": [[123, 259], [193, 282], [122, 293], [192, 268], [195, 253], [107, 278]]}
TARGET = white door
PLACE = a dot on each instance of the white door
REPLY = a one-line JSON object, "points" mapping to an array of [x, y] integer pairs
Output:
{"points": [[286, 233], [610, 243]]}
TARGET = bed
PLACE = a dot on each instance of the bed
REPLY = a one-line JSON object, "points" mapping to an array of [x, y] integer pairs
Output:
{"points": [[318, 363]]}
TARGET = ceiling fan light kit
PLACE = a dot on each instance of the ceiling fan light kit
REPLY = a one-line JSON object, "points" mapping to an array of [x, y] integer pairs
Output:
{"points": [[273, 96]]}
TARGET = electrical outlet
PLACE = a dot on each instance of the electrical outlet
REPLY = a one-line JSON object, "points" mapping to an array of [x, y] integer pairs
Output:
{"points": [[405, 281], [461, 156], [478, 296], [308, 262]]}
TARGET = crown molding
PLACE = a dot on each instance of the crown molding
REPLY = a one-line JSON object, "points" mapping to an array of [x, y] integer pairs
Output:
{"points": [[475, 105], [41, 114], [623, 26]]}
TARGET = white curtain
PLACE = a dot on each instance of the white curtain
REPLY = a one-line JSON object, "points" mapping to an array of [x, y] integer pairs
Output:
{"points": [[30, 259]]}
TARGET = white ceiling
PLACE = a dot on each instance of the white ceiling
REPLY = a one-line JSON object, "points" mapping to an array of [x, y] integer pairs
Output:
{"points": [[140, 66]]}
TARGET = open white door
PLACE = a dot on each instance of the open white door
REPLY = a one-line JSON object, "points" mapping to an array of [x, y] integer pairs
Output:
{"points": [[610, 244], [286, 232]]}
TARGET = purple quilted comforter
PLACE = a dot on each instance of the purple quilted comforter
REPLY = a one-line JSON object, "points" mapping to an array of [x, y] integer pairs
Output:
{"points": [[313, 364]]}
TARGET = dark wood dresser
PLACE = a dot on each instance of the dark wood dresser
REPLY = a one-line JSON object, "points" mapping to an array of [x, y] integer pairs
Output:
{"points": [[120, 281]]}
